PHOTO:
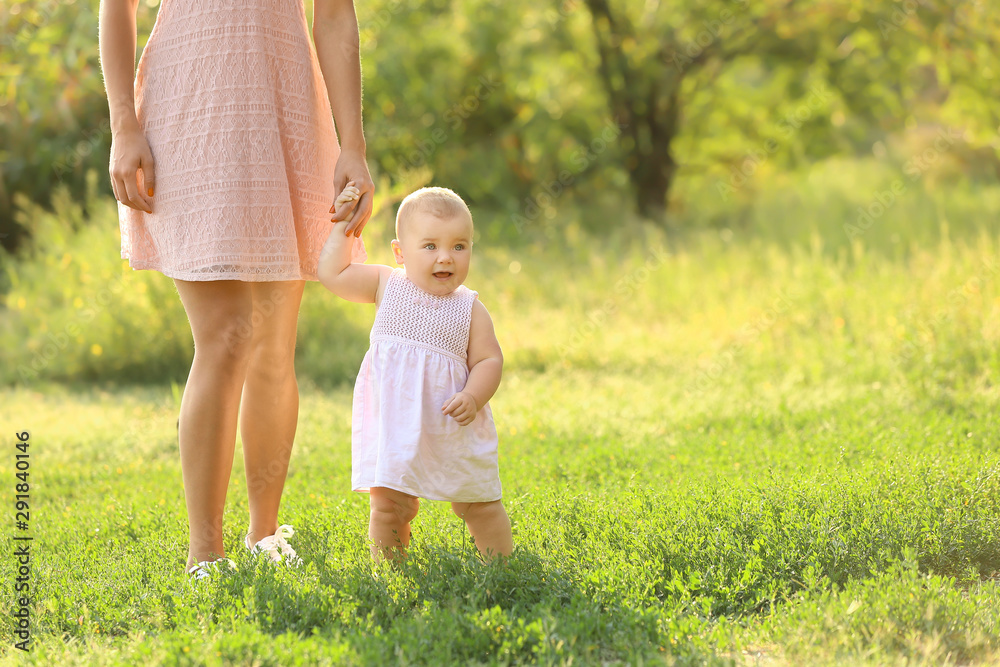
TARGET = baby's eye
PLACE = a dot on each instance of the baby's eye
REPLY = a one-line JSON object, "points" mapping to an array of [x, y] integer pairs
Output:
{"points": [[459, 247], [428, 246]]}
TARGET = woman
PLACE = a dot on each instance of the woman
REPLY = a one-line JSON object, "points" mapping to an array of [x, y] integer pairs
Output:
{"points": [[224, 162]]}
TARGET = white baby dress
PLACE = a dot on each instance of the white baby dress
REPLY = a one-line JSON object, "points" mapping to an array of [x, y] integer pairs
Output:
{"points": [[416, 362]]}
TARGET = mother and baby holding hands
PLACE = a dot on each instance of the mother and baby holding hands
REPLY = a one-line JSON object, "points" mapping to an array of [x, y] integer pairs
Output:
{"points": [[225, 161]]}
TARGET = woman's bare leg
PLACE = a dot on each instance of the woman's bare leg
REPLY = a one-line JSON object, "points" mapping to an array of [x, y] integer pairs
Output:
{"points": [[217, 311], [270, 407]]}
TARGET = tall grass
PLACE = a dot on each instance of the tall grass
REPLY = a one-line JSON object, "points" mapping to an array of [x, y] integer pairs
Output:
{"points": [[785, 293]]}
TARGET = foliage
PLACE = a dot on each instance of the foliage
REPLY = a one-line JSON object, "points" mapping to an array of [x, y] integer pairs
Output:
{"points": [[76, 311], [792, 79], [54, 124], [531, 108], [902, 290]]}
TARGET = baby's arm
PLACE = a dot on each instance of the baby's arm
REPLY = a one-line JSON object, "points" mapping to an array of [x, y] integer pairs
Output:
{"points": [[485, 361], [354, 282]]}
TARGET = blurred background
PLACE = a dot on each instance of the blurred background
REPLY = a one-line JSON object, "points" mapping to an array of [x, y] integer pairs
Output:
{"points": [[582, 133]]}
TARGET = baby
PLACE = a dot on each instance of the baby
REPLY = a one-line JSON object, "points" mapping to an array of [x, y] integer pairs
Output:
{"points": [[422, 427]]}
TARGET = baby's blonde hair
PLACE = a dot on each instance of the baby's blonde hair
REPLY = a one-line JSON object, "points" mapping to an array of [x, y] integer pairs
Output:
{"points": [[442, 203]]}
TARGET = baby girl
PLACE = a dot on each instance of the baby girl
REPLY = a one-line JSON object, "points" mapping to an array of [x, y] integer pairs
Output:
{"points": [[422, 426]]}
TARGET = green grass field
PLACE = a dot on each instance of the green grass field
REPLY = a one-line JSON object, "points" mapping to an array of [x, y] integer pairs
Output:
{"points": [[861, 528], [754, 449]]}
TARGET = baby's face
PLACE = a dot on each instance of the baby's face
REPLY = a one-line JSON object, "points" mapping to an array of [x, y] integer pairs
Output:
{"points": [[435, 252]]}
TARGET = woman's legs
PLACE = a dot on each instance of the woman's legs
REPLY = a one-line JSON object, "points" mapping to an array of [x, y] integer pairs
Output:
{"points": [[489, 525], [217, 311], [389, 524], [270, 407]]}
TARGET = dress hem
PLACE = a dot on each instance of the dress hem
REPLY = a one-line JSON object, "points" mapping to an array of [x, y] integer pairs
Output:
{"points": [[209, 277], [366, 489]]}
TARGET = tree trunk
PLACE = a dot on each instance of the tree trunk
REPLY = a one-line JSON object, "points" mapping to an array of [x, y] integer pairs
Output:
{"points": [[652, 179], [655, 166], [644, 112]]}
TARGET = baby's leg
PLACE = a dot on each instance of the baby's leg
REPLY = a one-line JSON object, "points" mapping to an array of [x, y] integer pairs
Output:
{"points": [[489, 525], [389, 525]]}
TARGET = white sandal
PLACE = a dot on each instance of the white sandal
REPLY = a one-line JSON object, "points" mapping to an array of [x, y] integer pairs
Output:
{"points": [[276, 547], [208, 568]]}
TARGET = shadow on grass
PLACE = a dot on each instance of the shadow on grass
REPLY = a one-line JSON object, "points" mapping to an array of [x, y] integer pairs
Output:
{"points": [[443, 607]]}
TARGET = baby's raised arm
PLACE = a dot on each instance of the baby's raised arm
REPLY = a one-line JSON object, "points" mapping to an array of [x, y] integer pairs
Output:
{"points": [[485, 361], [354, 282]]}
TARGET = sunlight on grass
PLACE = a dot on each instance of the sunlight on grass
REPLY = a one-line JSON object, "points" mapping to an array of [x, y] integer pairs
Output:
{"points": [[718, 448]]}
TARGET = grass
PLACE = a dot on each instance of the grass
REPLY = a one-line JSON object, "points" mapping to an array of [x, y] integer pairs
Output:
{"points": [[731, 448], [856, 529]]}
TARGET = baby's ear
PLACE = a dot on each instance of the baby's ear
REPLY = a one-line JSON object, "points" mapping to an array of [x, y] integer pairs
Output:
{"points": [[397, 251]]}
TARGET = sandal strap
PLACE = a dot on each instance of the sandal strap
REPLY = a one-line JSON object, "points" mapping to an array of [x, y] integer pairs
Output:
{"points": [[275, 546]]}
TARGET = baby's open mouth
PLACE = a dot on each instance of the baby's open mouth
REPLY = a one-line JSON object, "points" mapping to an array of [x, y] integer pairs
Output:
{"points": [[443, 274]]}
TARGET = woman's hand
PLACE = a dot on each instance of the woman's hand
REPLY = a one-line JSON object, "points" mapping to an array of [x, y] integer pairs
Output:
{"points": [[353, 168], [130, 153], [346, 198]]}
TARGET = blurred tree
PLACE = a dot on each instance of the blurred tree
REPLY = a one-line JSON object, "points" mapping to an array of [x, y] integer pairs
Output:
{"points": [[663, 66], [53, 113], [495, 98], [524, 106]]}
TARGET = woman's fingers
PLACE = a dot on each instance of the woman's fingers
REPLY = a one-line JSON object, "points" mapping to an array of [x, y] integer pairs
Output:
{"points": [[114, 184], [344, 211], [126, 190], [148, 177], [136, 200], [348, 194], [362, 213], [148, 171], [118, 186], [130, 157], [352, 167]]}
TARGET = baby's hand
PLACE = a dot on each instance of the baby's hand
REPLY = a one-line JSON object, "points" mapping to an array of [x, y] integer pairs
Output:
{"points": [[462, 408], [349, 193], [346, 196]]}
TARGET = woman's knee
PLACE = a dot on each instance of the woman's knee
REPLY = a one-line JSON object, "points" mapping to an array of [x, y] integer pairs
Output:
{"points": [[274, 322], [228, 345], [272, 359]]}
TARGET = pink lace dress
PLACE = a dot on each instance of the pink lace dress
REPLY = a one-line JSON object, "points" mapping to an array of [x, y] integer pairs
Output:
{"points": [[416, 362], [231, 99]]}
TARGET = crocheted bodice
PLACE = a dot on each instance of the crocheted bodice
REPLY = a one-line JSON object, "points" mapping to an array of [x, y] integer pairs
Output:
{"points": [[408, 313]]}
